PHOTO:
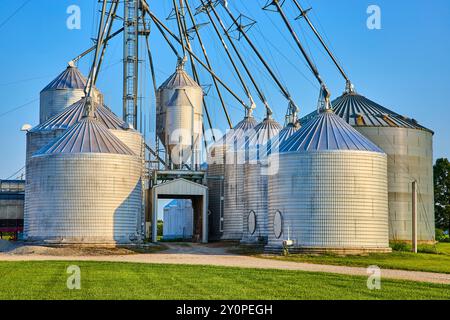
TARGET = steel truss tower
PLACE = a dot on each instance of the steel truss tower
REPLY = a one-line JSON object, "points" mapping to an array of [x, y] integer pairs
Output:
{"points": [[130, 61]]}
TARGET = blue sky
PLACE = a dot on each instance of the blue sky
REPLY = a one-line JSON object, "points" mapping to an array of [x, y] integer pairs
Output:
{"points": [[404, 66]]}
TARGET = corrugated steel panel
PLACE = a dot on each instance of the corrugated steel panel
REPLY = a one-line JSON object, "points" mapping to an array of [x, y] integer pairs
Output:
{"points": [[179, 115], [71, 78], [219, 194], [84, 198], [357, 110], [87, 136], [410, 157], [327, 131], [330, 200], [71, 115], [256, 187]]}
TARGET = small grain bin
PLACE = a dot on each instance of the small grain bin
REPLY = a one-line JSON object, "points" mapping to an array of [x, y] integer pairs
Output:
{"points": [[84, 188], [256, 181], [54, 127], [66, 89], [409, 147], [179, 117], [220, 155], [235, 175], [330, 192]]}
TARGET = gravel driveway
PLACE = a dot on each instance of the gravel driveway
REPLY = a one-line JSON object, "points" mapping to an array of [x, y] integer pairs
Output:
{"points": [[197, 254]]}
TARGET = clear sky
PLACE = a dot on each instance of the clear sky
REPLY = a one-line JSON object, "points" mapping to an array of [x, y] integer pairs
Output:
{"points": [[404, 66]]}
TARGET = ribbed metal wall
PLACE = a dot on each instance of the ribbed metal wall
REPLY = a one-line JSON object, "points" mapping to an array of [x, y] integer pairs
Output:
{"points": [[179, 116], [218, 189], [410, 157], [54, 101], [84, 198], [255, 181], [330, 200], [38, 139]]}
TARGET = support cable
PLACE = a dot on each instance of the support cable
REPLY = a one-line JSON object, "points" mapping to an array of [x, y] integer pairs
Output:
{"points": [[205, 54], [164, 29], [285, 92], [304, 14]]}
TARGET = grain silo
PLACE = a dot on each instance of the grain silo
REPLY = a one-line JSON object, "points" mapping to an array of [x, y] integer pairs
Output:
{"points": [[54, 127], [256, 181], [220, 156], [179, 117], [409, 147], [237, 157], [330, 192], [84, 188], [66, 89]]}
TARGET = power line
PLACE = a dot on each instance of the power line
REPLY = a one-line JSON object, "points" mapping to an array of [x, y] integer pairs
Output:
{"points": [[15, 174], [2, 24], [19, 107]]}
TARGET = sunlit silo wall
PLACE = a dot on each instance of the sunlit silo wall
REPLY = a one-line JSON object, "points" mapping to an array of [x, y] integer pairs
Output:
{"points": [[66, 89], [409, 147], [84, 188], [54, 127], [330, 191], [256, 188], [254, 216], [179, 117], [218, 193]]}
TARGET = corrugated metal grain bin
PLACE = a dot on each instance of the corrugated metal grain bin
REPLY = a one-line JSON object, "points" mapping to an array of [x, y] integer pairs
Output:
{"points": [[66, 89], [409, 147], [218, 157], [178, 220], [256, 184], [84, 188], [330, 190], [179, 117]]}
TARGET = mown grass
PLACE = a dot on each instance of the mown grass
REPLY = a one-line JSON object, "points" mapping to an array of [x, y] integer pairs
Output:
{"points": [[110, 280], [428, 261]]}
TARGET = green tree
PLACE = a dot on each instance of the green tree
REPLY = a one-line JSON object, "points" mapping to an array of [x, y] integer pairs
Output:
{"points": [[441, 172]]}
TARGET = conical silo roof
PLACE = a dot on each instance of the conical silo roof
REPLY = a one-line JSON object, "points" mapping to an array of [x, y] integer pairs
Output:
{"points": [[179, 79], [360, 111], [87, 136], [71, 115], [71, 78], [327, 132], [274, 144], [265, 131], [248, 123]]}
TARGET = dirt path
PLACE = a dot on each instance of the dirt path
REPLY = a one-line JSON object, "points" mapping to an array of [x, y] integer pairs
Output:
{"points": [[195, 254]]}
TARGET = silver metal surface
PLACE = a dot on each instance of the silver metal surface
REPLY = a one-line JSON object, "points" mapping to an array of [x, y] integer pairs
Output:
{"points": [[409, 147], [256, 181], [85, 187], [331, 192], [217, 159], [179, 115], [62, 92]]}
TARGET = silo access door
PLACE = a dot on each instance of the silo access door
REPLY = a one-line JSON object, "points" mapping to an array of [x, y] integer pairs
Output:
{"points": [[183, 189]]}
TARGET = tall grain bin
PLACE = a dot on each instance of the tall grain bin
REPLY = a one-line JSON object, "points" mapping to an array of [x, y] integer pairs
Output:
{"points": [[256, 183], [236, 158], [218, 158], [66, 89], [179, 117], [330, 192], [84, 188], [409, 147], [54, 127]]}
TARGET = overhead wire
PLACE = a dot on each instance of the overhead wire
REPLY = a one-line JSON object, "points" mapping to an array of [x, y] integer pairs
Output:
{"points": [[4, 22]]}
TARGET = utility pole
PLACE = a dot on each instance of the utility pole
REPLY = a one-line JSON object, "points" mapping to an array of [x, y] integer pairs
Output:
{"points": [[414, 217]]}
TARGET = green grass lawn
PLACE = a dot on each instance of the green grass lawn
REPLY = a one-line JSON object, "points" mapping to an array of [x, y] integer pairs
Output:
{"points": [[439, 262], [107, 280]]}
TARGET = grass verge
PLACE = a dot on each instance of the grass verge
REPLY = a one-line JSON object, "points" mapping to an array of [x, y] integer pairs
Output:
{"points": [[111, 280], [429, 262]]}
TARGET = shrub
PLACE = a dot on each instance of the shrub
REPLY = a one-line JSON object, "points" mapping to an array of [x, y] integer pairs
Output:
{"points": [[441, 236], [400, 246]]}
